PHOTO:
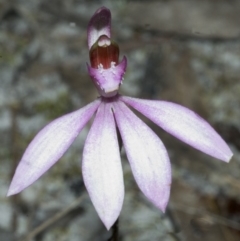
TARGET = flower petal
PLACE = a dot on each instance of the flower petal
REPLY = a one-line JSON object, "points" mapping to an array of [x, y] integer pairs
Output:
{"points": [[101, 167], [183, 124], [147, 156], [49, 145], [100, 24], [108, 81]]}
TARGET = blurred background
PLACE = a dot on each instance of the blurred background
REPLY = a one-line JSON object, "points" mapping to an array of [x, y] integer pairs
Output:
{"points": [[184, 51]]}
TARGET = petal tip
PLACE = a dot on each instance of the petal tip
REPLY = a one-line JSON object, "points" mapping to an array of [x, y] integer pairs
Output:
{"points": [[161, 197], [108, 225], [12, 191], [108, 219], [228, 157], [101, 9], [162, 205], [163, 209], [222, 151]]}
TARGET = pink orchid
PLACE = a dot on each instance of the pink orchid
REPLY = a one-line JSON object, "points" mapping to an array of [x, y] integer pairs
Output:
{"points": [[101, 164]]}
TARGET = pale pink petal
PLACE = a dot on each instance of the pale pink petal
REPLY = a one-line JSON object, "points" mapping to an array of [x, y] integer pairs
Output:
{"points": [[147, 156], [108, 81], [100, 24], [49, 145], [101, 167], [183, 124]]}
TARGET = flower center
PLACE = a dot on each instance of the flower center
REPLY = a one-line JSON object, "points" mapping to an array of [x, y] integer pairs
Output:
{"points": [[104, 53]]}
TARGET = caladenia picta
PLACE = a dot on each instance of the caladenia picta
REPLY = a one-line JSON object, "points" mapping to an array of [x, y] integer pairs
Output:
{"points": [[101, 162]]}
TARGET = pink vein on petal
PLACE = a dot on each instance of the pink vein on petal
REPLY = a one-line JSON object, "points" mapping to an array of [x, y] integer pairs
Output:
{"points": [[147, 156], [49, 145], [183, 124], [101, 167]]}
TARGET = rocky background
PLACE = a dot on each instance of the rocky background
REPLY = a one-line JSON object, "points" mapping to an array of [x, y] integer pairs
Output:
{"points": [[185, 51]]}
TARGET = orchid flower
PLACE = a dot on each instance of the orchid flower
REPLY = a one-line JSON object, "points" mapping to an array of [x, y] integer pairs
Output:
{"points": [[101, 163]]}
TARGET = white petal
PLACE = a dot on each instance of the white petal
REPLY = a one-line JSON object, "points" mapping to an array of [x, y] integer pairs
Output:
{"points": [[49, 145], [183, 124], [102, 170], [147, 156]]}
